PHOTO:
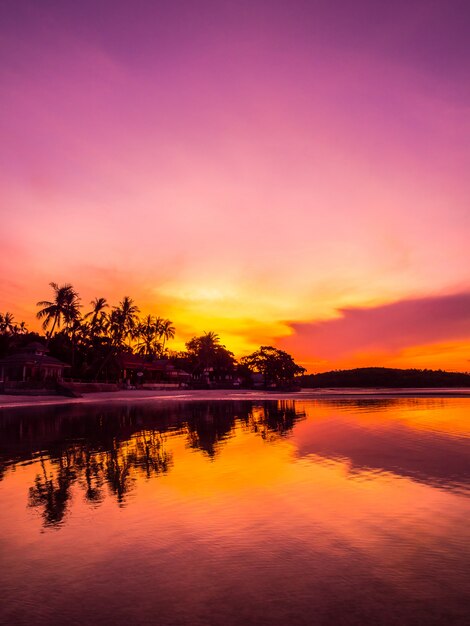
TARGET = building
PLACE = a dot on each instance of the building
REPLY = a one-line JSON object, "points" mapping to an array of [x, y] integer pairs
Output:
{"points": [[31, 364], [139, 370]]}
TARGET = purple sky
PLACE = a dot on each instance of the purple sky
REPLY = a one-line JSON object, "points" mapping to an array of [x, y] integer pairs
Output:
{"points": [[253, 168]]}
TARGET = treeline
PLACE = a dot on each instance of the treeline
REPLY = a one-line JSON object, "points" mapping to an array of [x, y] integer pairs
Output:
{"points": [[385, 377], [92, 338]]}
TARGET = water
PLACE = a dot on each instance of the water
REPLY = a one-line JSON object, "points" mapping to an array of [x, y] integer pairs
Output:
{"points": [[333, 512]]}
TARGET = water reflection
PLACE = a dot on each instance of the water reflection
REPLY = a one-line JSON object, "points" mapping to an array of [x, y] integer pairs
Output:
{"points": [[105, 451], [236, 512], [437, 458], [81, 464], [96, 448]]}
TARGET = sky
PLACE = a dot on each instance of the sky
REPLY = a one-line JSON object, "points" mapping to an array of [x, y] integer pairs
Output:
{"points": [[283, 173]]}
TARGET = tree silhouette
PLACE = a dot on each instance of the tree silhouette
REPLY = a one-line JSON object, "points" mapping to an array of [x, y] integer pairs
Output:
{"points": [[52, 493], [98, 321], [206, 353], [148, 336], [166, 331], [277, 367], [7, 324], [65, 307], [124, 320]]}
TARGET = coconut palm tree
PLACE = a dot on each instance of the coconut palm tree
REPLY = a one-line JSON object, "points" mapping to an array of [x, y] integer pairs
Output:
{"points": [[64, 308], [202, 350], [148, 335], [125, 319], [98, 316], [209, 341], [114, 329], [166, 331], [7, 324], [21, 329]]}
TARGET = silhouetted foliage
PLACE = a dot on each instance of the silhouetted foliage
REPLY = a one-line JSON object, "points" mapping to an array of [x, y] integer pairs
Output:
{"points": [[208, 358], [386, 377], [91, 342], [64, 308], [277, 367], [11, 333]]}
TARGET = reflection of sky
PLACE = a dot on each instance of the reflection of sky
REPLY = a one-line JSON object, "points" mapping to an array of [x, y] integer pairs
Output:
{"points": [[434, 458], [235, 168], [323, 519], [426, 439]]}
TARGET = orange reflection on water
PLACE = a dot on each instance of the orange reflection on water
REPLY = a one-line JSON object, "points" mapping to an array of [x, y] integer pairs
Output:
{"points": [[330, 498]]}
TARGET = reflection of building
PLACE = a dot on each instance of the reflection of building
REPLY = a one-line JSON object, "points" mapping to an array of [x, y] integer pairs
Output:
{"points": [[31, 364], [147, 370]]}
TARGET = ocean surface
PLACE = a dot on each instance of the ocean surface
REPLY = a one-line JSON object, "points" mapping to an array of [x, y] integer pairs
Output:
{"points": [[333, 511]]}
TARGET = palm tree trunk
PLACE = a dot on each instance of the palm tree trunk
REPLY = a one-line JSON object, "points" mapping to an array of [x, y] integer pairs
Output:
{"points": [[49, 335]]}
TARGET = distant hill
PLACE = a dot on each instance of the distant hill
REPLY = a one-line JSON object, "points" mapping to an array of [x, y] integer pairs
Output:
{"points": [[385, 377]]}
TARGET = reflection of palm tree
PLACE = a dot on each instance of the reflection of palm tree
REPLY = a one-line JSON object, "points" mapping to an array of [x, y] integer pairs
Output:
{"points": [[117, 452], [65, 307], [150, 454], [93, 481], [52, 493], [100, 457], [117, 472]]}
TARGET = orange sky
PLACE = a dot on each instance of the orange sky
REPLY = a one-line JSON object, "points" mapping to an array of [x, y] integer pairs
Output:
{"points": [[288, 174]]}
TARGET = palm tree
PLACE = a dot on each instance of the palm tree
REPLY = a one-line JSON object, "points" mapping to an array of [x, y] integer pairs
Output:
{"points": [[167, 331], [203, 350], [21, 329], [148, 334], [124, 319], [115, 329], [7, 324], [98, 315], [209, 341], [65, 307]]}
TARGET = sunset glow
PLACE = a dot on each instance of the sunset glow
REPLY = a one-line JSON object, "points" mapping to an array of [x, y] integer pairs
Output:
{"points": [[283, 173]]}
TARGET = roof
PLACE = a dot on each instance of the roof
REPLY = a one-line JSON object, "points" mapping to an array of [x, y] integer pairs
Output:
{"points": [[31, 359], [34, 346], [134, 361]]}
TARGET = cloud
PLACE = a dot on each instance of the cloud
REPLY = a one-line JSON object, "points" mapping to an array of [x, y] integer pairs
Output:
{"points": [[387, 328]]}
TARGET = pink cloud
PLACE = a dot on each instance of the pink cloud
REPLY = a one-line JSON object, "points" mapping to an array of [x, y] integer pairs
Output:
{"points": [[384, 329]]}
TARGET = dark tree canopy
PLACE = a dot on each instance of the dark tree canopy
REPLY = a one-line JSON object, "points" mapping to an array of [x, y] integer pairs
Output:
{"points": [[277, 366], [206, 352], [386, 377]]}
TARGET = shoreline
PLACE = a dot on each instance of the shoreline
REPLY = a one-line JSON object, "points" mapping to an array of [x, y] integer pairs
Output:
{"points": [[187, 395]]}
